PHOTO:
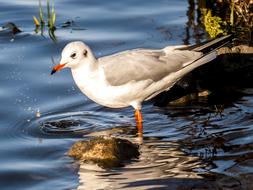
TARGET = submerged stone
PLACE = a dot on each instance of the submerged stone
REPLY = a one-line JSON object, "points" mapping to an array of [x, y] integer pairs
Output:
{"points": [[11, 27], [190, 97], [106, 152], [62, 124]]}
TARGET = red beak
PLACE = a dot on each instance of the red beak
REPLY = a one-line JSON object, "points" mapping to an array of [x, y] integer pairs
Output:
{"points": [[57, 68]]}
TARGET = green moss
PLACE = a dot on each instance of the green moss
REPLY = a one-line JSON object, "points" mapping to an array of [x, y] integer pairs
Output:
{"points": [[214, 24]]}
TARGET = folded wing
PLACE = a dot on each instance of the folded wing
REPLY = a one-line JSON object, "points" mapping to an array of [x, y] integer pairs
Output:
{"points": [[144, 64]]}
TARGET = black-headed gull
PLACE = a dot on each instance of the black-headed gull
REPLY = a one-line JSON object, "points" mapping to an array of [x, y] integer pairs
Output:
{"points": [[130, 77]]}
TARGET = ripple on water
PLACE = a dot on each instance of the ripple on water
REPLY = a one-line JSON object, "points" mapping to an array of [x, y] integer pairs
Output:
{"points": [[182, 146], [222, 141], [158, 161], [71, 124]]}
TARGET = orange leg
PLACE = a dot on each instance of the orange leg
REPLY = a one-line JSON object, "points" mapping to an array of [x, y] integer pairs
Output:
{"points": [[138, 119]]}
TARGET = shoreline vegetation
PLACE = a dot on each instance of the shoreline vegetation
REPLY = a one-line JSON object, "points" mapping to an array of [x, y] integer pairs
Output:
{"points": [[222, 17], [51, 16], [214, 18]]}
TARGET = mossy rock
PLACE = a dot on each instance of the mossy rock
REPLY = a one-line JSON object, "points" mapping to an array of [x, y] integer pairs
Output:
{"points": [[106, 152]]}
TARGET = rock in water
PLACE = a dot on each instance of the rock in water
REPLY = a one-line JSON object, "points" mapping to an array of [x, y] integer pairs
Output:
{"points": [[11, 27], [106, 152]]}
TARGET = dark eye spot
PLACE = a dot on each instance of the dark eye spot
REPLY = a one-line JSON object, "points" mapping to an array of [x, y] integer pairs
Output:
{"points": [[73, 55], [85, 53]]}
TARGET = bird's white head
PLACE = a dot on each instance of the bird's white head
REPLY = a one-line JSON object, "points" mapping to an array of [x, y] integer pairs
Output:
{"points": [[73, 55]]}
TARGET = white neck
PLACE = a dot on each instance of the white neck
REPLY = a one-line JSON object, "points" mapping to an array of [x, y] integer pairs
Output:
{"points": [[86, 76], [85, 71]]}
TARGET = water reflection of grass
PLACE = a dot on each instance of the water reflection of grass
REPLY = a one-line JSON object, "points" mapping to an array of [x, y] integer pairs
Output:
{"points": [[51, 16]]}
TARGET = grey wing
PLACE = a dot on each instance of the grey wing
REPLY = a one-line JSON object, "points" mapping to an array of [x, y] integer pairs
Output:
{"points": [[144, 64]]}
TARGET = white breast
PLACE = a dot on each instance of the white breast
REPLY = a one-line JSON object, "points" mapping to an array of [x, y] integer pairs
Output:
{"points": [[95, 87]]}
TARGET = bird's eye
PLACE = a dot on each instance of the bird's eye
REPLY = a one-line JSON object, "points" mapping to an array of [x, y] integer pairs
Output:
{"points": [[85, 53], [73, 55]]}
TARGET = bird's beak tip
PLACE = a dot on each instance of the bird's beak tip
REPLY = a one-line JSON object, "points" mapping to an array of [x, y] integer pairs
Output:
{"points": [[53, 71], [57, 68]]}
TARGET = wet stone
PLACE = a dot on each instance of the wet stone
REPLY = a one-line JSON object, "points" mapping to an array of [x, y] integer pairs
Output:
{"points": [[10, 27], [228, 183], [63, 123], [63, 127], [106, 152]]}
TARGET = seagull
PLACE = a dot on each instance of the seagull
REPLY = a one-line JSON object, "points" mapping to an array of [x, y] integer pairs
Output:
{"points": [[131, 77]]}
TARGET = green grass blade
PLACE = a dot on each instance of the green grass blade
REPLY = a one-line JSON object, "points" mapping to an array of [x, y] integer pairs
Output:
{"points": [[48, 12], [53, 19], [41, 12], [37, 23], [53, 16], [232, 13]]}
